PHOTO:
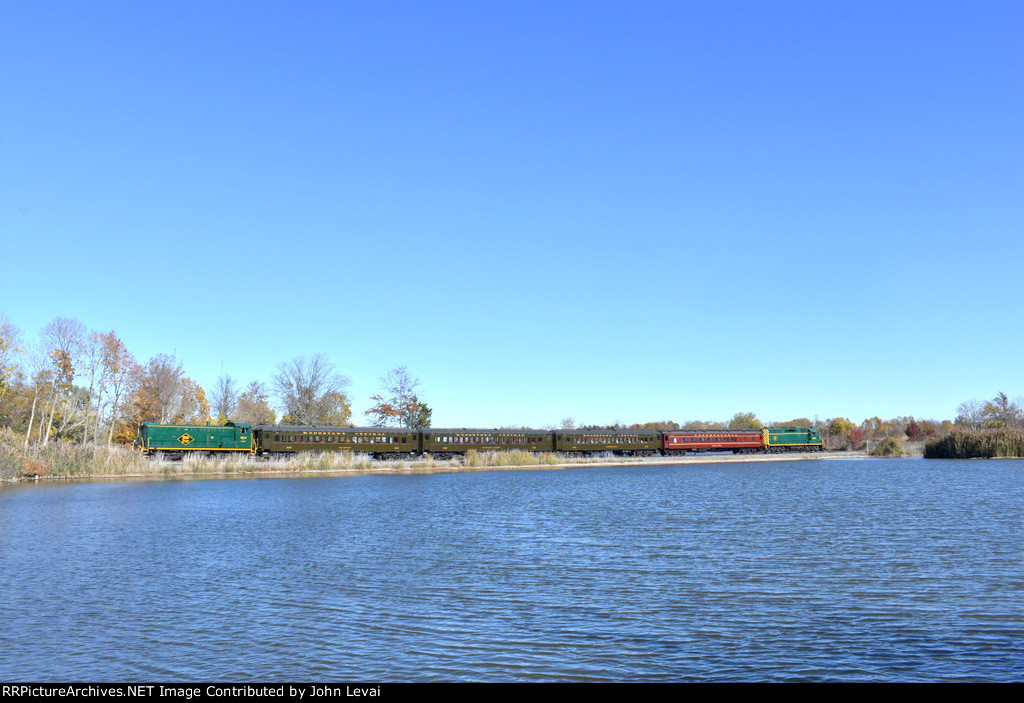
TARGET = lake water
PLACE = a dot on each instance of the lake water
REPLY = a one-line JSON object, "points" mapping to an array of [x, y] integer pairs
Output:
{"points": [[905, 570]]}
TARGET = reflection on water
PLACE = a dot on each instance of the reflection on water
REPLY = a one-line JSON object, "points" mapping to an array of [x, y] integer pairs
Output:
{"points": [[803, 570]]}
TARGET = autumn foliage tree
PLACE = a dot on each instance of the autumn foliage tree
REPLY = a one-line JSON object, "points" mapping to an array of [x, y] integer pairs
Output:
{"points": [[10, 371], [913, 431], [656, 425], [9, 347], [398, 405], [164, 394], [1000, 412], [119, 373], [856, 438], [253, 406], [62, 342], [745, 421], [703, 425], [837, 432], [797, 422]]}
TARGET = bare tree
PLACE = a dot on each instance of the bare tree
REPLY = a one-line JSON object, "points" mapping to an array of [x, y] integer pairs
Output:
{"points": [[41, 376], [312, 391], [92, 357], [162, 379], [568, 423], [969, 414], [225, 398]]}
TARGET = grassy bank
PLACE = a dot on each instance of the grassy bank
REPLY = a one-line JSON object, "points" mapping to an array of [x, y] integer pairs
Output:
{"points": [[63, 460], [976, 444]]}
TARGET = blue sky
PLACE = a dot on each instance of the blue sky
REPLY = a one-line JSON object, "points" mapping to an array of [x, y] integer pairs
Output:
{"points": [[604, 210]]}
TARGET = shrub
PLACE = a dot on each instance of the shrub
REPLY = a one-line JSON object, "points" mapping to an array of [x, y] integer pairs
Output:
{"points": [[890, 446]]}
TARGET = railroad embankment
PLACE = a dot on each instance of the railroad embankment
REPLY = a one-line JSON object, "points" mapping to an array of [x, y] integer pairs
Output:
{"points": [[67, 461]]}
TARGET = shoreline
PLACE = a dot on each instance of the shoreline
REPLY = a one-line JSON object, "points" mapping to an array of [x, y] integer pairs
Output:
{"points": [[249, 467]]}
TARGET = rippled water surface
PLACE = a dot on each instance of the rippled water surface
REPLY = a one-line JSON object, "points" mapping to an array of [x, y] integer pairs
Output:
{"points": [[807, 570]]}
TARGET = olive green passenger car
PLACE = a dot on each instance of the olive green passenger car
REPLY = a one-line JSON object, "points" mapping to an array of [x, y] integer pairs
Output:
{"points": [[380, 442], [619, 442], [177, 440], [441, 443]]}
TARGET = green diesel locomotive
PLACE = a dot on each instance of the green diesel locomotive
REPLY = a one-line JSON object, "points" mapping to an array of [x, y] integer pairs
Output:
{"points": [[177, 440]]}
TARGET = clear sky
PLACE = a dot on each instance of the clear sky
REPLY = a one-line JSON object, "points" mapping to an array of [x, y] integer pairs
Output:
{"points": [[607, 210]]}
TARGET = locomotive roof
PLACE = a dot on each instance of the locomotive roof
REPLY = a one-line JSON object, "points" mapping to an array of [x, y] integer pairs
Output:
{"points": [[230, 423]]}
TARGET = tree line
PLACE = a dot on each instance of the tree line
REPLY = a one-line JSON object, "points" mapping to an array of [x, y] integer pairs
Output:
{"points": [[85, 386], [79, 385], [840, 433]]}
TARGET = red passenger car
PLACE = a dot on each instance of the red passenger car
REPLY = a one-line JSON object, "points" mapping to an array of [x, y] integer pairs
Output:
{"points": [[736, 441]]}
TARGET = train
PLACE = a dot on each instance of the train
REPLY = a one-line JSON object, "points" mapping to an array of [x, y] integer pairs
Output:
{"points": [[174, 441]]}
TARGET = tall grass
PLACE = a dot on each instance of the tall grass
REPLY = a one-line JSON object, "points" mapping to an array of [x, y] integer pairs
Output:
{"points": [[11, 457], [345, 460], [517, 457], [65, 460], [62, 459], [976, 444]]}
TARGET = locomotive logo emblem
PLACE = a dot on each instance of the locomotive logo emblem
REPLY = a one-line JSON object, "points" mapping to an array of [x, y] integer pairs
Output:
{"points": [[186, 439]]}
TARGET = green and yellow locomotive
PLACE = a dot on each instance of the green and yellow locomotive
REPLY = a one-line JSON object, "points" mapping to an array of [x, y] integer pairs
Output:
{"points": [[174, 441]]}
